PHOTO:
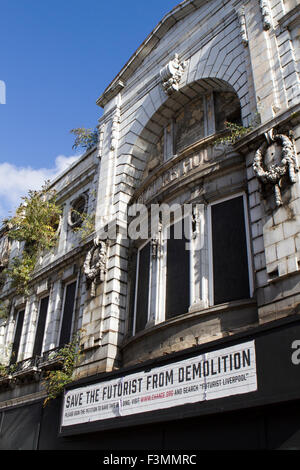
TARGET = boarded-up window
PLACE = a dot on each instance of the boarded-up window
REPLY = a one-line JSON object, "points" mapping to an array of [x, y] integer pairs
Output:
{"points": [[143, 288], [66, 325], [229, 251], [40, 330], [17, 337], [178, 274]]}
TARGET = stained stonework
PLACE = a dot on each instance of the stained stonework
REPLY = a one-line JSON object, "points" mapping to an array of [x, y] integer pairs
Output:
{"points": [[162, 140]]}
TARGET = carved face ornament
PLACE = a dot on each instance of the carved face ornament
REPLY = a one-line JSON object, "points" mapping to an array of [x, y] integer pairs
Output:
{"points": [[95, 264]]}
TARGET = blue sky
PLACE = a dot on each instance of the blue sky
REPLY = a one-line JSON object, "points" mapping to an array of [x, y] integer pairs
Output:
{"points": [[57, 57]]}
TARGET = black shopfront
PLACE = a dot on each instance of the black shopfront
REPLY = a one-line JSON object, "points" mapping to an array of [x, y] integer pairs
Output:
{"points": [[265, 417]]}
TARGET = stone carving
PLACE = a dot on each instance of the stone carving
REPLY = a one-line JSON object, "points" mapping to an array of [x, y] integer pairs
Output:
{"points": [[196, 221], [243, 29], [272, 174], [95, 264], [156, 243], [180, 169], [266, 14], [171, 75]]}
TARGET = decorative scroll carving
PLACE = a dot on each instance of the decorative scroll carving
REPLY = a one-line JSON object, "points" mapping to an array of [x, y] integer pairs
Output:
{"points": [[95, 264], [266, 14], [156, 243], [196, 221], [243, 29], [171, 75], [273, 174]]}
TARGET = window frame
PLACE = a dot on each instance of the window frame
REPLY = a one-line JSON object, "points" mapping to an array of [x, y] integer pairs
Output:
{"points": [[37, 323], [163, 268], [20, 310], [65, 285], [157, 289], [137, 283], [161, 265], [210, 247], [73, 204]]}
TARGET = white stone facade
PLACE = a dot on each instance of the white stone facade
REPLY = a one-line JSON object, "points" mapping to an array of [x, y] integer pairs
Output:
{"points": [[248, 51]]}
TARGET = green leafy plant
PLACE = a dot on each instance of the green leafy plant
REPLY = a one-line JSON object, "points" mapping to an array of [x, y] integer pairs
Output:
{"points": [[4, 309], [3, 371], [236, 131], [6, 371], [20, 271], [85, 138], [87, 225], [36, 224], [2, 278], [56, 380]]}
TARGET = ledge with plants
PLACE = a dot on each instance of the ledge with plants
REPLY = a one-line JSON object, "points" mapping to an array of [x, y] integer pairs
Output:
{"points": [[6, 375], [65, 360], [4, 309], [68, 358], [35, 224], [234, 132]]}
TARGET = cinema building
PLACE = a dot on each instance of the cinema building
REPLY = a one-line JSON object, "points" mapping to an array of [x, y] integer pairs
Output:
{"points": [[188, 342]]}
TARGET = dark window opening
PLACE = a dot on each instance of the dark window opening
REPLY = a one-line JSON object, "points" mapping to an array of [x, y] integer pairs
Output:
{"points": [[229, 250], [143, 288], [66, 325], [227, 109], [77, 211], [40, 330], [178, 274], [17, 338], [131, 301]]}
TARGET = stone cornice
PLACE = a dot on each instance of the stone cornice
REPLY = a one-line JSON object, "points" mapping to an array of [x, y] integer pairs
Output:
{"points": [[62, 261], [73, 186], [290, 17], [83, 157], [110, 93], [253, 139]]}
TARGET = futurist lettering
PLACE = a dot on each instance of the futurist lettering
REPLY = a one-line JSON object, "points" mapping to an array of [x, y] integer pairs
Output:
{"points": [[222, 373]]}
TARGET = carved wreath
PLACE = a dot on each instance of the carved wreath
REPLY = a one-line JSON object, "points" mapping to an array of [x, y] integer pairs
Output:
{"points": [[274, 173], [95, 269]]}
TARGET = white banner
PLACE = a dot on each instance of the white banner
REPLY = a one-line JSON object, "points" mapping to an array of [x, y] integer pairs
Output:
{"points": [[217, 374]]}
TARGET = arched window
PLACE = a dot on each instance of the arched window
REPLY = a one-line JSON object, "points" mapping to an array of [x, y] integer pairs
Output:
{"points": [[200, 117], [77, 210]]}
